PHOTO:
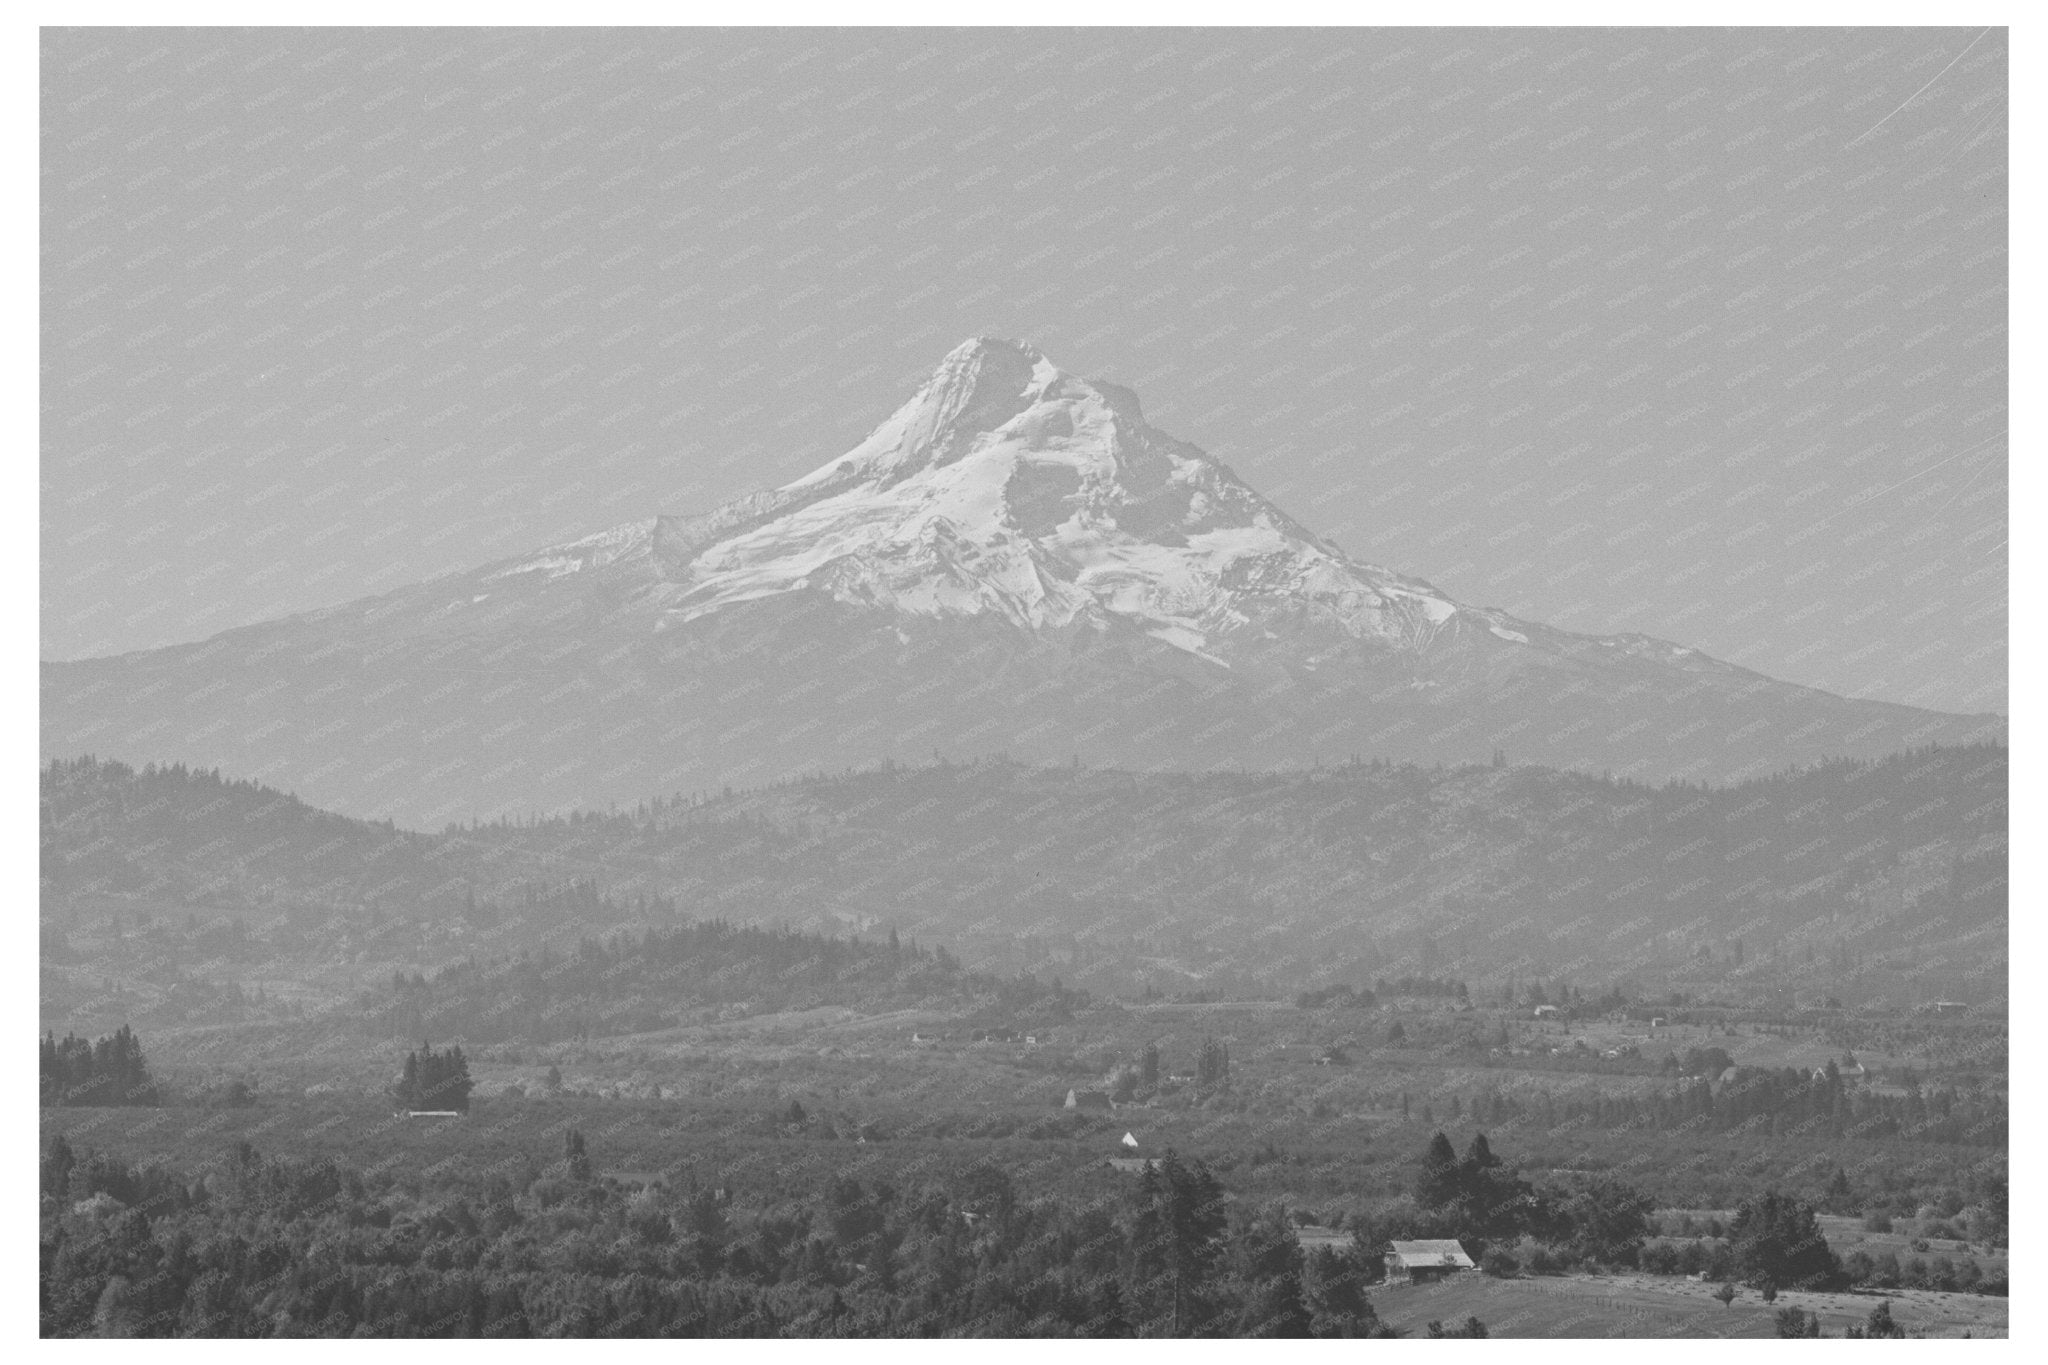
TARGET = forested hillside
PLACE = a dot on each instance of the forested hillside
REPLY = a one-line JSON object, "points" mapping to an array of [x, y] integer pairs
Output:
{"points": [[177, 836], [1833, 877], [694, 973]]}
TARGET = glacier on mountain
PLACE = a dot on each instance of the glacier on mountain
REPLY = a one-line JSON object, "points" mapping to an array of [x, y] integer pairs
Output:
{"points": [[1008, 487], [1014, 561]]}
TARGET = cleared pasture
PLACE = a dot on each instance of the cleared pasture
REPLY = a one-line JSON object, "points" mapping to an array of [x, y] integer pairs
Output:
{"points": [[1658, 1306]]}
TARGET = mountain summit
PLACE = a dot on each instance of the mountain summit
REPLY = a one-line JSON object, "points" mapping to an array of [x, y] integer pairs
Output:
{"points": [[1008, 488], [1015, 560]]}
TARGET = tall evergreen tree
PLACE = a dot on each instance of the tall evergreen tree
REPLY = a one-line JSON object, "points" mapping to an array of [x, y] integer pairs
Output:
{"points": [[1777, 1238], [1441, 1181], [1176, 1237], [109, 1072]]}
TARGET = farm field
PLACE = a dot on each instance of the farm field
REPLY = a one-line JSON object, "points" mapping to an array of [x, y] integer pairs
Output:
{"points": [[1660, 1306], [1321, 1138], [1323, 1166], [1321, 1123], [1848, 1234]]}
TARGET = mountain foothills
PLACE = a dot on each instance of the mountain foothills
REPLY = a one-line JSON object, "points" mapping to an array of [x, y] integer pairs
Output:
{"points": [[1014, 562], [1878, 881]]}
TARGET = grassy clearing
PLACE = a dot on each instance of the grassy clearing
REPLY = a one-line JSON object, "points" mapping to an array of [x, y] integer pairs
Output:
{"points": [[1659, 1306]]}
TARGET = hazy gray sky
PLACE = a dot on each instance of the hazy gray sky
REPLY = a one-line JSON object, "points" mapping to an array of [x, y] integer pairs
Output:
{"points": [[1700, 333]]}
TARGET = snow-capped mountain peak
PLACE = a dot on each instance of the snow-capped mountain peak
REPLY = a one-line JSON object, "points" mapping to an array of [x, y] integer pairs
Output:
{"points": [[1008, 486], [1014, 561]]}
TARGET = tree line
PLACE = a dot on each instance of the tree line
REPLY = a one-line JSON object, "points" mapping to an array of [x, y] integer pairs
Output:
{"points": [[630, 982], [259, 1246], [265, 1246], [1779, 1102], [434, 1080], [109, 1072]]}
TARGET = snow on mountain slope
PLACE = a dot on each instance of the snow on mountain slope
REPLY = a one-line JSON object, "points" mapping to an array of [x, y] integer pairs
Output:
{"points": [[1008, 487], [1013, 561]]}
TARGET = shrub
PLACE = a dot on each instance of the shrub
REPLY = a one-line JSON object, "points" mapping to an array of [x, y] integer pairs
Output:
{"points": [[1499, 1262], [1877, 1220], [1472, 1327], [1984, 1225], [1795, 1322]]}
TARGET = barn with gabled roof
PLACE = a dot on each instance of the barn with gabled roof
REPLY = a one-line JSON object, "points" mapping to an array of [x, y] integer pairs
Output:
{"points": [[1428, 1260]]}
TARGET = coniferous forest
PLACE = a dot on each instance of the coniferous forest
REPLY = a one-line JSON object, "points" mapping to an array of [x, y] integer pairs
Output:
{"points": [[109, 1072], [434, 1081], [1115, 878]]}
